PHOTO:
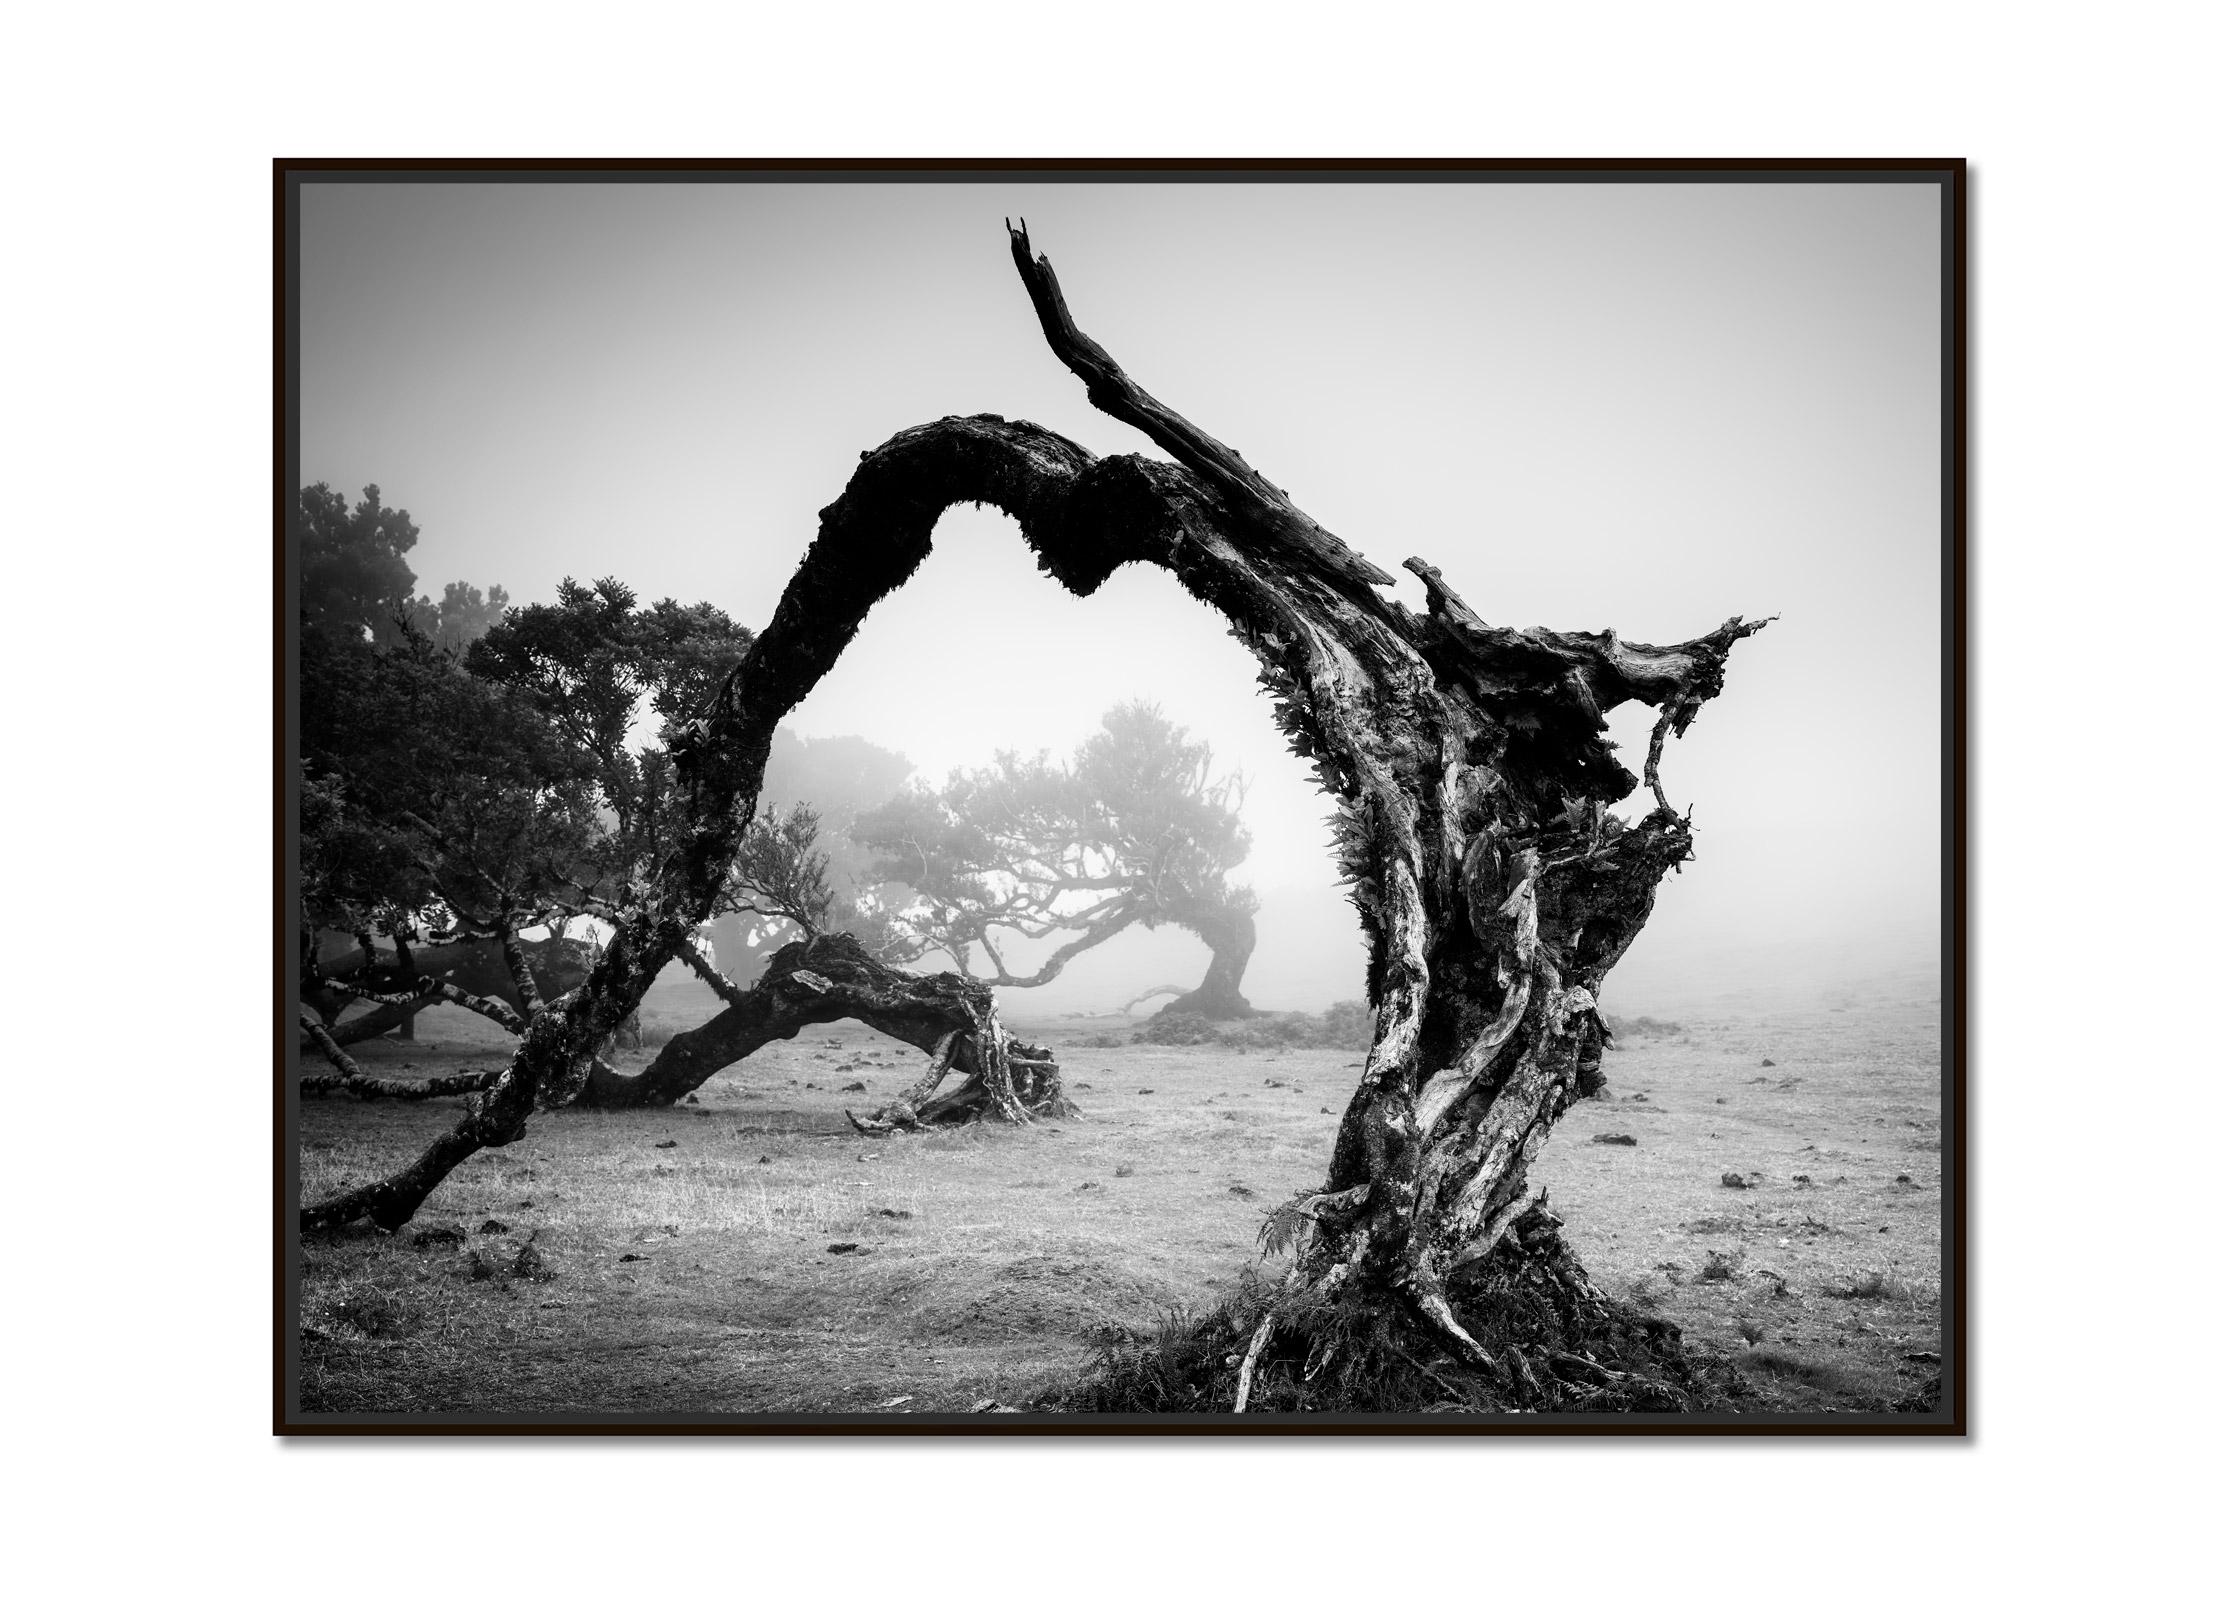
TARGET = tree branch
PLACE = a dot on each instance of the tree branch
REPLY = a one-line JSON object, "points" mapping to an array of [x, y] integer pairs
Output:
{"points": [[1253, 498]]}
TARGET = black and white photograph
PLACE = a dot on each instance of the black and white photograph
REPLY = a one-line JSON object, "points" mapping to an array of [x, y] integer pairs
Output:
{"points": [[980, 799]]}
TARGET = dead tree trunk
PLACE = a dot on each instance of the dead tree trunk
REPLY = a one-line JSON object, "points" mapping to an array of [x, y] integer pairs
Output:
{"points": [[1472, 774], [1153, 993], [831, 978]]}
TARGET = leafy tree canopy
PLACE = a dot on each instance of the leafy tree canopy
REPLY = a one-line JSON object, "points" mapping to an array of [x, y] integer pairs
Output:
{"points": [[352, 562], [430, 794], [615, 679], [1134, 828], [802, 869], [355, 581], [460, 617]]}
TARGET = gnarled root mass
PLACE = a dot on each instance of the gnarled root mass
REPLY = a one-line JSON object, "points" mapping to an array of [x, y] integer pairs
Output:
{"points": [[1554, 1343]]}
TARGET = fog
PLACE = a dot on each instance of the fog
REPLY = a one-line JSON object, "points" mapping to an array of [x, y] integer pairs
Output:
{"points": [[1592, 405]]}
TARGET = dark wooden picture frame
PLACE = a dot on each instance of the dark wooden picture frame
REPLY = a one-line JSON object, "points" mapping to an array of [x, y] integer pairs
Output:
{"points": [[1267, 563]]}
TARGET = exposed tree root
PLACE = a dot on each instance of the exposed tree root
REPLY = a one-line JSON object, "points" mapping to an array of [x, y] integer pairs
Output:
{"points": [[1025, 1086], [1551, 1341]]}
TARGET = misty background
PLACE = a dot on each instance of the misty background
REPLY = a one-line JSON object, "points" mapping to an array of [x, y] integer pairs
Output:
{"points": [[1646, 407]]}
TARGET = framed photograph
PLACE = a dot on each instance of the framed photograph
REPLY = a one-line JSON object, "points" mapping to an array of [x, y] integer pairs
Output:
{"points": [[1035, 797]]}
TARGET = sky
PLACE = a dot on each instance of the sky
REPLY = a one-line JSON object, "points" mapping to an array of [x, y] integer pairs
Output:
{"points": [[1647, 407]]}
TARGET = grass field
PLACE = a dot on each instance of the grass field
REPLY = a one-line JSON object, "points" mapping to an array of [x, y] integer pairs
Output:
{"points": [[751, 1253]]}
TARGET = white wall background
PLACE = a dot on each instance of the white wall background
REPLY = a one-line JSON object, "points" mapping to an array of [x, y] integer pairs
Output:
{"points": [[139, 406]]}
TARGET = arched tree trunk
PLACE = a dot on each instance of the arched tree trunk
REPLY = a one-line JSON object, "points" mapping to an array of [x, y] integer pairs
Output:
{"points": [[1472, 775], [831, 978], [1229, 933]]}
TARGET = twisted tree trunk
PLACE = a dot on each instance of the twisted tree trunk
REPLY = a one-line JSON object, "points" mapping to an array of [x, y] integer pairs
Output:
{"points": [[1227, 931], [1472, 775], [830, 978]]}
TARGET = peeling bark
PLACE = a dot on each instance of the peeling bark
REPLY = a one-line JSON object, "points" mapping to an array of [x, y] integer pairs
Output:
{"points": [[1473, 775]]}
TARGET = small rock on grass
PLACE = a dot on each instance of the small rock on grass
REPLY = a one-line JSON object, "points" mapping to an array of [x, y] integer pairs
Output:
{"points": [[530, 1263], [666, 1144], [841, 1249], [1614, 1138]]}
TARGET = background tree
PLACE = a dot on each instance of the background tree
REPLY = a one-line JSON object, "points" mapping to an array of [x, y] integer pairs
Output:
{"points": [[1134, 829], [462, 616], [355, 599], [837, 960], [837, 780], [354, 579], [434, 807], [614, 678], [351, 562]]}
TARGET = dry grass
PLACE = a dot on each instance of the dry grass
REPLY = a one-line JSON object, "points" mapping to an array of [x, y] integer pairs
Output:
{"points": [[990, 1264]]}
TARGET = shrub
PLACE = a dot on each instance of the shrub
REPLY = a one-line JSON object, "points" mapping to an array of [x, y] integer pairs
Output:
{"points": [[1347, 1025]]}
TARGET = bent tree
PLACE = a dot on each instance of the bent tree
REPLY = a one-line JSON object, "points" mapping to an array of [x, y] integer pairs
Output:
{"points": [[1473, 774], [1134, 829], [830, 977], [826, 975]]}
